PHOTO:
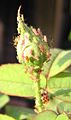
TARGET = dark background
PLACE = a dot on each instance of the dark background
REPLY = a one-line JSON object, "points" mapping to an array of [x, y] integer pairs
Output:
{"points": [[52, 16]]}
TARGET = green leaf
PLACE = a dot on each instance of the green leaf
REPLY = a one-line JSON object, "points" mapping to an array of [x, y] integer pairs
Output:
{"points": [[60, 63], [47, 65], [65, 95], [4, 99], [46, 115], [52, 104], [59, 82], [6, 117], [62, 117], [60, 86], [64, 107], [19, 112], [14, 81]]}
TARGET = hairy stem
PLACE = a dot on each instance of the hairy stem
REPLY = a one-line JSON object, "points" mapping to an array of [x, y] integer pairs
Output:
{"points": [[38, 101]]}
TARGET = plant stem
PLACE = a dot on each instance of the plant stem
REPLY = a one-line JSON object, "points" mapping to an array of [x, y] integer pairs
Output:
{"points": [[38, 101]]}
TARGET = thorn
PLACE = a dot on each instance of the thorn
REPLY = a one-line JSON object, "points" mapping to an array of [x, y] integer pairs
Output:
{"points": [[18, 15]]}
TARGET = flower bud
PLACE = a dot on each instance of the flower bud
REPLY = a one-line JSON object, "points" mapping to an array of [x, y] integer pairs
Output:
{"points": [[31, 46]]}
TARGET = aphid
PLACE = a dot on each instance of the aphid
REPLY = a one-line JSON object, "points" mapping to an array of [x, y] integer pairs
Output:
{"points": [[42, 49], [16, 39], [44, 96]]}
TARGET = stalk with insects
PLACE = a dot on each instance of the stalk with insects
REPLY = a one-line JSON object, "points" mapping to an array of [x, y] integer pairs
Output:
{"points": [[32, 51]]}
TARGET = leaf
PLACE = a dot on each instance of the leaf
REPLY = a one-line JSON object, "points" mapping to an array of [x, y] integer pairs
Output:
{"points": [[46, 115], [19, 112], [52, 104], [63, 95], [6, 117], [60, 81], [14, 81], [62, 117], [64, 107], [47, 65], [60, 63], [4, 99], [60, 86], [68, 69]]}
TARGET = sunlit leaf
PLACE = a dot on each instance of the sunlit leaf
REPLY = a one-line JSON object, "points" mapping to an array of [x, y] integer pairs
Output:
{"points": [[60, 63], [47, 65], [6, 117], [4, 99], [46, 115], [60, 86], [64, 107], [62, 117], [52, 104], [60, 81], [14, 81]]}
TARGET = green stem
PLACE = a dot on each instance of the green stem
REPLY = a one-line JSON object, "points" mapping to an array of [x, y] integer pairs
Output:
{"points": [[38, 101]]}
